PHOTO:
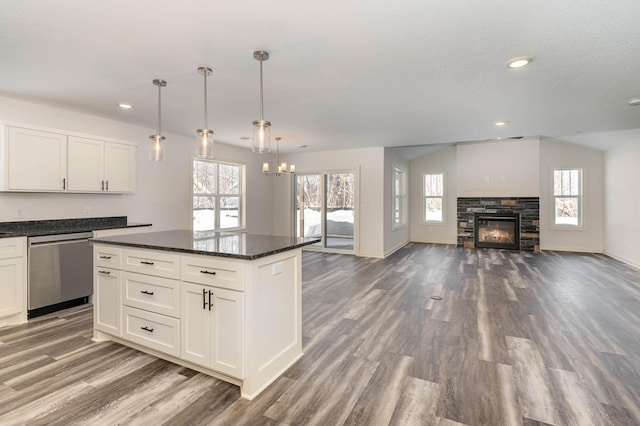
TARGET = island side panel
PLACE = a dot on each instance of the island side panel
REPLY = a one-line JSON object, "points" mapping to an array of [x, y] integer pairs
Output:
{"points": [[274, 316]]}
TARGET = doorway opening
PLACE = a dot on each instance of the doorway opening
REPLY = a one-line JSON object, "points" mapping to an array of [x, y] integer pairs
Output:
{"points": [[325, 207]]}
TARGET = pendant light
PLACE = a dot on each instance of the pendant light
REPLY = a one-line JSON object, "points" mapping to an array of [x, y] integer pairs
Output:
{"points": [[156, 142], [261, 128], [281, 168], [204, 142]]}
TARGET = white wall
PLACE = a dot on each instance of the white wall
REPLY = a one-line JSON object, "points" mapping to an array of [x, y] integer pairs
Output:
{"points": [[368, 164], [394, 238], [557, 154], [163, 191], [622, 202], [502, 168], [443, 161]]}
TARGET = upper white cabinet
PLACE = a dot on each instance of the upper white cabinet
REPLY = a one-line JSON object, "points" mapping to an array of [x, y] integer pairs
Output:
{"points": [[100, 166], [35, 160], [44, 160]]}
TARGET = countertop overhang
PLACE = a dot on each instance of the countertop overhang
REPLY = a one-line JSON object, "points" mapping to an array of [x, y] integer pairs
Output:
{"points": [[237, 245]]}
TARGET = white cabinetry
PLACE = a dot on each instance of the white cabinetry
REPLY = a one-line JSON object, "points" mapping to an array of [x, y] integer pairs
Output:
{"points": [[107, 309], [35, 160], [99, 166], [235, 319], [13, 281], [49, 160], [212, 328]]}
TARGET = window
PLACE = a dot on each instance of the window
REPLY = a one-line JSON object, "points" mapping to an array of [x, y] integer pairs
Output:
{"points": [[433, 197], [217, 195], [399, 196], [567, 197]]}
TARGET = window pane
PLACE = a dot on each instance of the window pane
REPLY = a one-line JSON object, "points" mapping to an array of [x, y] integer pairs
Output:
{"points": [[204, 177], [566, 182], [229, 209], [434, 185], [567, 211], [203, 213], [229, 179], [433, 209]]}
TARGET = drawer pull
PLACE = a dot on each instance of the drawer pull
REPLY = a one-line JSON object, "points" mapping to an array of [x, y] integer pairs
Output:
{"points": [[150, 293], [150, 330], [105, 257], [105, 272], [146, 263], [208, 272]]}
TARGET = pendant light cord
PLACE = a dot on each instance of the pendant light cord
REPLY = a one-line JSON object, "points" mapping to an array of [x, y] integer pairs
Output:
{"points": [[261, 97]]}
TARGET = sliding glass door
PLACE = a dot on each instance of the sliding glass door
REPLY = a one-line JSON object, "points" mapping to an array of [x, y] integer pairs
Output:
{"points": [[325, 208]]}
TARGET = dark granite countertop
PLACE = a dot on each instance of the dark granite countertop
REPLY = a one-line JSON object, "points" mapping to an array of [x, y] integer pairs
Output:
{"points": [[32, 228], [237, 245]]}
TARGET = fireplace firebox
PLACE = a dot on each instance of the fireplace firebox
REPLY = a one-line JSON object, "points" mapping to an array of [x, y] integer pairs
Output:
{"points": [[496, 230]]}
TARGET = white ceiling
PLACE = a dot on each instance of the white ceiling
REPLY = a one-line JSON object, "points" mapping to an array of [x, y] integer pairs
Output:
{"points": [[342, 74]]}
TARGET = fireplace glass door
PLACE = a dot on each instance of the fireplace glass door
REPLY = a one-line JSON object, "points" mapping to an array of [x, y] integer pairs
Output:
{"points": [[499, 231]]}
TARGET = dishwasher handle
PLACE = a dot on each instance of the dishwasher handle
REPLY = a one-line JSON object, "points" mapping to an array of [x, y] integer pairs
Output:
{"points": [[59, 238]]}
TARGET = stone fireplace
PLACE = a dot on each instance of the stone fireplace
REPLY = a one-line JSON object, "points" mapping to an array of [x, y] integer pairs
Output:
{"points": [[509, 223]]}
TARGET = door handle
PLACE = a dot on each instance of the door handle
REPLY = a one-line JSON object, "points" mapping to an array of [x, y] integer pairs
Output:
{"points": [[210, 304], [204, 301]]}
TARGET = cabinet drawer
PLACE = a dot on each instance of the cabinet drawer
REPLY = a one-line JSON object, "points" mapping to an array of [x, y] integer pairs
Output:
{"points": [[107, 256], [155, 294], [152, 262], [12, 247], [214, 272], [154, 331]]}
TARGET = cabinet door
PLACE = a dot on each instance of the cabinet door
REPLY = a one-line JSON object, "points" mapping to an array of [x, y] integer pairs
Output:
{"points": [[85, 164], [12, 286], [107, 297], [227, 352], [37, 160], [119, 167], [195, 324]]}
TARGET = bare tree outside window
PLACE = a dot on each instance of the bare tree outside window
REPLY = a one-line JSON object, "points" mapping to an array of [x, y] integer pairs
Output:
{"points": [[217, 195], [433, 197], [567, 194]]}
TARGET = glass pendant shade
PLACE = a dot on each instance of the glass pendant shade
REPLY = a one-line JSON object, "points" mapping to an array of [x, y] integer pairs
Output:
{"points": [[156, 148], [261, 137], [156, 142], [204, 148], [204, 141]]}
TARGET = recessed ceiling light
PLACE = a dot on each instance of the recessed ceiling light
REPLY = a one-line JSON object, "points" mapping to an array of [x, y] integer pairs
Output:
{"points": [[501, 123], [519, 62], [634, 102], [125, 105], [244, 138], [302, 146]]}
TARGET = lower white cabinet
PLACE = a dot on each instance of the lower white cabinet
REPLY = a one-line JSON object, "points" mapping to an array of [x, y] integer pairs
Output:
{"points": [[152, 330], [212, 328], [13, 281], [107, 305]]}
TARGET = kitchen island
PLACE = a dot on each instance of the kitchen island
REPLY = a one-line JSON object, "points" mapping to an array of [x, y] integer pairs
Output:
{"points": [[225, 304]]}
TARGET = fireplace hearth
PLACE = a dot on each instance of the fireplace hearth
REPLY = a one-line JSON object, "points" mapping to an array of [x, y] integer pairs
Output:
{"points": [[500, 231]]}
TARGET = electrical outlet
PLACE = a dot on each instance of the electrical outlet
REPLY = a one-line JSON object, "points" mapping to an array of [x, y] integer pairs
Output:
{"points": [[19, 213], [276, 268], [86, 211]]}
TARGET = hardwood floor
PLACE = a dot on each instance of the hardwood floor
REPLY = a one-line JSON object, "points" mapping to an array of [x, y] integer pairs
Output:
{"points": [[517, 339]]}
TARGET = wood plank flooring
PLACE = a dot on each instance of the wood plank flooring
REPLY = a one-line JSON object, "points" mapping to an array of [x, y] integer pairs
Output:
{"points": [[517, 339]]}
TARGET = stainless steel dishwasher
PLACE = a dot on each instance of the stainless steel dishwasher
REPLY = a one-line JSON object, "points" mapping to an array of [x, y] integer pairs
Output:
{"points": [[60, 272]]}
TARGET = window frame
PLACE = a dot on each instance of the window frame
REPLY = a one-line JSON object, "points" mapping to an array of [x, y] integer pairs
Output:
{"points": [[441, 197], [581, 226], [398, 215], [241, 196]]}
